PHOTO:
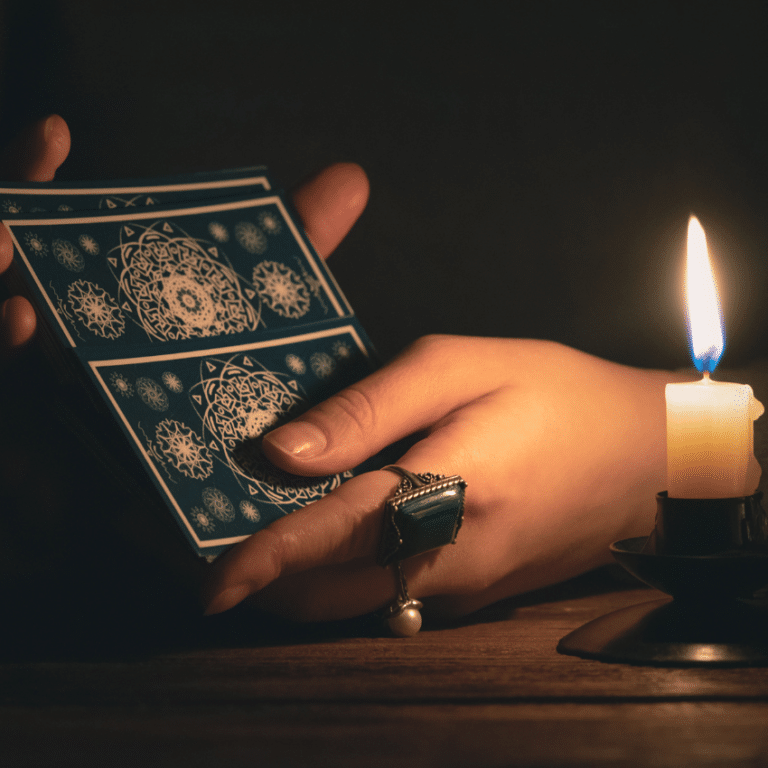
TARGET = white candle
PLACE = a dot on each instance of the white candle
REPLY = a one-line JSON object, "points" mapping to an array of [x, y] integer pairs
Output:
{"points": [[710, 433]]}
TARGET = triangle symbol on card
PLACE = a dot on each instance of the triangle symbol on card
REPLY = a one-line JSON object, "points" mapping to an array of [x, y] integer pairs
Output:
{"points": [[247, 361], [213, 446], [128, 231], [293, 385], [167, 227], [112, 261], [249, 293], [211, 366], [252, 490], [348, 474], [197, 399], [127, 307], [214, 252], [110, 204], [149, 201]]}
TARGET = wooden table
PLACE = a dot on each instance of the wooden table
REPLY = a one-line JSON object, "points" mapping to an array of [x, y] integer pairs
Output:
{"points": [[490, 691]]}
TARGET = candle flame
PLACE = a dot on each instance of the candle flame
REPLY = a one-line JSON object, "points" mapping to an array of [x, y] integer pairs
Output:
{"points": [[705, 320]]}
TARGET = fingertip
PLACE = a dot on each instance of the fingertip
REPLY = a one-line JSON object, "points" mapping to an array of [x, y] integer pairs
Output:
{"points": [[6, 249], [226, 599], [17, 322], [38, 151], [56, 143], [330, 203], [295, 440]]}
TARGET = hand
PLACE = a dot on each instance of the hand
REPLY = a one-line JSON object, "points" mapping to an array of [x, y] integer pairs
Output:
{"points": [[563, 453], [35, 155]]}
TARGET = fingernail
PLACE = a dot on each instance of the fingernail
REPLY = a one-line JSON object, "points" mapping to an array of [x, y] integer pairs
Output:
{"points": [[227, 599], [298, 438]]}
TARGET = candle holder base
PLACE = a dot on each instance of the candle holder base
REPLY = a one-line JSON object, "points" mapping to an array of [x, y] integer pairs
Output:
{"points": [[702, 628], [711, 555]]}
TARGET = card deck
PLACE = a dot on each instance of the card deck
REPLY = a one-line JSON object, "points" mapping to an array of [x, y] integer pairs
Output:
{"points": [[199, 322]]}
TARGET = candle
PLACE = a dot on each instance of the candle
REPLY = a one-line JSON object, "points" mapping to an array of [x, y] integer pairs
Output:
{"points": [[709, 423]]}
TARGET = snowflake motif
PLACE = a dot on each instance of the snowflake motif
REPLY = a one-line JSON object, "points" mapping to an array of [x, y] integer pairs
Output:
{"points": [[35, 244], [184, 449], [65, 207], [172, 382], [250, 237], [218, 504], [218, 231], [151, 394], [270, 223], [88, 244], [96, 309], [249, 511], [341, 350], [295, 363], [322, 365], [68, 255], [281, 289], [202, 520], [121, 384], [10, 206]]}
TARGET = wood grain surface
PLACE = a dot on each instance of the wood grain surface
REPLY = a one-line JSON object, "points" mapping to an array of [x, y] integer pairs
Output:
{"points": [[488, 691]]}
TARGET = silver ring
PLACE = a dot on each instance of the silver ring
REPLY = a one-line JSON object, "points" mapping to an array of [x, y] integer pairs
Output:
{"points": [[424, 513]]}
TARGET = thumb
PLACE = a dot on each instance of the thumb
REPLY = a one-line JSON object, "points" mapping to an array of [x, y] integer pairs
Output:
{"points": [[434, 376], [38, 151]]}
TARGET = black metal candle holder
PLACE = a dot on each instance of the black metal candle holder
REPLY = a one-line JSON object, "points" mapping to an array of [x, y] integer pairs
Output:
{"points": [[711, 556]]}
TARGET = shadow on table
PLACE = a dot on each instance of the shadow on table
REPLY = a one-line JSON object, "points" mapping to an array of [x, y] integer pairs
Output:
{"points": [[79, 618]]}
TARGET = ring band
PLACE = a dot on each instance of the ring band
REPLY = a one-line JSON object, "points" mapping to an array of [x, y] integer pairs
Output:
{"points": [[424, 513]]}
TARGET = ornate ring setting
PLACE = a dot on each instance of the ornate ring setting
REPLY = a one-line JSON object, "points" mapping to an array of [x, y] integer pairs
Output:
{"points": [[424, 513]]}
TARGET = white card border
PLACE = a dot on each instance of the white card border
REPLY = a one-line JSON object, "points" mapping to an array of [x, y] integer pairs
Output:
{"points": [[249, 181]]}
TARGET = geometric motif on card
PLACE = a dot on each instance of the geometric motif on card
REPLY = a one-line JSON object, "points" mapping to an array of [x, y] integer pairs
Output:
{"points": [[178, 287], [238, 400]]}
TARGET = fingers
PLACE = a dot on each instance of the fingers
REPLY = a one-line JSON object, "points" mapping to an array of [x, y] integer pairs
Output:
{"points": [[429, 380], [17, 323], [343, 526], [37, 152], [6, 249], [35, 155], [330, 203]]}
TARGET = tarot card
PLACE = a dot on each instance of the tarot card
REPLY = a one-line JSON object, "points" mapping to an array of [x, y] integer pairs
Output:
{"points": [[199, 325], [227, 268], [195, 418], [24, 198]]}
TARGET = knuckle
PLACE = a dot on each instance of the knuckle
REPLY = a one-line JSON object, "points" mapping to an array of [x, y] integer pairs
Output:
{"points": [[432, 344], [357, 408], [276, 553]]}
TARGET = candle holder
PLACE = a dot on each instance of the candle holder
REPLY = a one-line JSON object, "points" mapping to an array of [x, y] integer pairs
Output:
{"points": [[711, 556]]}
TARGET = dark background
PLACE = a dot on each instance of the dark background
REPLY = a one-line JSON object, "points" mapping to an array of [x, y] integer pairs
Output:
{"points": [[533, 166]]}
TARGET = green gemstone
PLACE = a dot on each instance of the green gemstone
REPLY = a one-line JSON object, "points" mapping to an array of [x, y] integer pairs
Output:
{"points": [[430, 520]]}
